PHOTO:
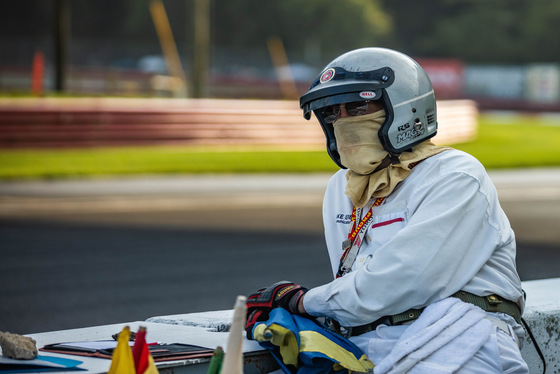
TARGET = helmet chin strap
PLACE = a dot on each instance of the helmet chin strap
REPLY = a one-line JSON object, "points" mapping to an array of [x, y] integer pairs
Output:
{"points": [[391, 159]]}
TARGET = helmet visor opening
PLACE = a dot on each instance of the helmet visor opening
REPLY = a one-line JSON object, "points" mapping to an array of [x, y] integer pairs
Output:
{"points": [[326, 107], [330, 101], [354, 108]]}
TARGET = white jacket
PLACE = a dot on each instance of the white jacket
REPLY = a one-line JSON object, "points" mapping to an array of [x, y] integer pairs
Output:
{"points": [[447, 233]]}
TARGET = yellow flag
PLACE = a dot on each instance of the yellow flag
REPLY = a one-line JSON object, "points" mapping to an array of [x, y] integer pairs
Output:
{"points": [[122, 361], [152, 369]]}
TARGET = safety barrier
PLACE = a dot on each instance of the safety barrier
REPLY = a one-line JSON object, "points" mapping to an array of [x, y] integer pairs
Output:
{"points": [[94, 122]]}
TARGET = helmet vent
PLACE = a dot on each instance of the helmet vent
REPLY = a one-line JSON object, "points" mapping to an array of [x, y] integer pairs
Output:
{"points": [[431, 118]]}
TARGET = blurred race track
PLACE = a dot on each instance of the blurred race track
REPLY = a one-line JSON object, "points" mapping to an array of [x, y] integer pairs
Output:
{"points": [[84, 253]]}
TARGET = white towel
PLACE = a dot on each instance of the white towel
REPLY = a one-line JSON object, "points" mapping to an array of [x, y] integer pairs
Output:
{"points": [[447, 334]]}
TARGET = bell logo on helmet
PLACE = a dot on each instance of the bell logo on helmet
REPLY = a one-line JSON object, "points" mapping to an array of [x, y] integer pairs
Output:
{"points": [[327, 75], [367, 95]]}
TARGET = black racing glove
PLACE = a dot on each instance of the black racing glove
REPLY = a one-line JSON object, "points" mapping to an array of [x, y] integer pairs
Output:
{"points": [[283, 294]]}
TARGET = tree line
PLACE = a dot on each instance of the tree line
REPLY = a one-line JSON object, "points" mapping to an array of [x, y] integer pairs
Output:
{"points": [[314, 31]]}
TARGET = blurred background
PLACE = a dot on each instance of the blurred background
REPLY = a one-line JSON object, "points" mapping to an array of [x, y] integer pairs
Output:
{"points": [[503, 54], [153, 158]]}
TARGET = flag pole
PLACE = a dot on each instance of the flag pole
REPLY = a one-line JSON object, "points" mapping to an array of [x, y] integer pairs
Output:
{"points": [[233, 358]]}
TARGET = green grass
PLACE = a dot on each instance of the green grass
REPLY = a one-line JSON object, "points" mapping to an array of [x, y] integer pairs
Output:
{"points": [[516, 141], [501, 143], [49, 164]]}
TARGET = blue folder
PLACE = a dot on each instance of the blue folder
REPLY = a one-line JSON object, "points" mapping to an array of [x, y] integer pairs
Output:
{"points": [[39, 364]]}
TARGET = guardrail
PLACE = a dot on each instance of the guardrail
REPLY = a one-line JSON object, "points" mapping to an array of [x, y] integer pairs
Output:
{"points": [[95, 122]]}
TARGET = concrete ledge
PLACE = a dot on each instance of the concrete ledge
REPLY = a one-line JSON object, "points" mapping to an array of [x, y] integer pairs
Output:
{"points": [[542, 314]]}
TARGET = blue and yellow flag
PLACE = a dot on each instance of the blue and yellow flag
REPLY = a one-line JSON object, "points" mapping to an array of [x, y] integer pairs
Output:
{"points": [[303, 346]]}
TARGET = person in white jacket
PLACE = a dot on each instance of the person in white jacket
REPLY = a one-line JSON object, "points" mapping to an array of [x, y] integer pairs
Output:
{"points": [[422, 254]]}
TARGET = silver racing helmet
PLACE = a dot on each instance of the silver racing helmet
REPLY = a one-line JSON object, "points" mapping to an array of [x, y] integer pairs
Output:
{"points": [[391, 77]]}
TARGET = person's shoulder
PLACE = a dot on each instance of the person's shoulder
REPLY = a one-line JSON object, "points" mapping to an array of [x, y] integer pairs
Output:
{"points": [[339, 175], [338, 180], [456, 161], [448, 165], [453, 155]]}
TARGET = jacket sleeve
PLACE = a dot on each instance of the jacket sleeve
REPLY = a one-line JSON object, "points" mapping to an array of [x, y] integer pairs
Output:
{"points": [[448, 238]]}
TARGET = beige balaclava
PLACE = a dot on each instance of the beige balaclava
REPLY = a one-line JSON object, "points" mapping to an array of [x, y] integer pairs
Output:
{"points": [[361, 152]]}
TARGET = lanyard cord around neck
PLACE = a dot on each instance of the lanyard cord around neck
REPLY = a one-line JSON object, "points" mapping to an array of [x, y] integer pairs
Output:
{"points": [[351, 246]]}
